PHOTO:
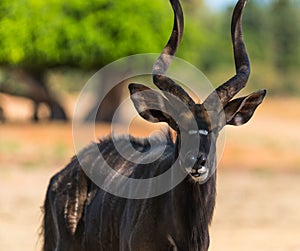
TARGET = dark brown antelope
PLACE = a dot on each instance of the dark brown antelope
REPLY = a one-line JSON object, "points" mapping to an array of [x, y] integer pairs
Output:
{"points": [[80, 215]]}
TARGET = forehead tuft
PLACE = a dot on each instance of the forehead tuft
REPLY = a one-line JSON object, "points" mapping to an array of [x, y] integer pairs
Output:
{"points": [[202, 117]]}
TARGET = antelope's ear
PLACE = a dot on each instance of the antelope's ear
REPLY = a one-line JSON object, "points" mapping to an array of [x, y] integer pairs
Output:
{"points": [[150, 104], [239, 111]]}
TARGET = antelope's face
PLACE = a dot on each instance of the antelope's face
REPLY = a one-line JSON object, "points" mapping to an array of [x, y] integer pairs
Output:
{"points": [[198, 162], [198, 125]]}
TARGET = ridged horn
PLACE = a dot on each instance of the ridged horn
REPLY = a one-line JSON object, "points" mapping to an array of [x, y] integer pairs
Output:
{"points": [[163, 62], [231, 87]]}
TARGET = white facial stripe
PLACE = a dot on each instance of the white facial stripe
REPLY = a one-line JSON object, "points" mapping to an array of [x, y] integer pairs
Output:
{"points": [[202, 132], [193, 132]]}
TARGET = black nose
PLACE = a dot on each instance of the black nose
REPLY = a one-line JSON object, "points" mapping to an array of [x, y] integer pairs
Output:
{"points": [[202, 160]]}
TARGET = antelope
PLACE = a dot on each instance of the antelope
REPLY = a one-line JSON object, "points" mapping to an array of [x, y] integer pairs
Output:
{"points": [[80, 215]]}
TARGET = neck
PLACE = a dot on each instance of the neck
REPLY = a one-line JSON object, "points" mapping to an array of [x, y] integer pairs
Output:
{"points": [[194, 204]]}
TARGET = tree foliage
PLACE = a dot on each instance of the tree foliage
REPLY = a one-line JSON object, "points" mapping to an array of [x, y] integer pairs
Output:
{"points": [[39, 34], [272, 35]]}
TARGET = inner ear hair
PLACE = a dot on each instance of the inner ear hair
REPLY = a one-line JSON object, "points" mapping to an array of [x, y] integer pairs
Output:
{"points": [[239, 111], [151, 105]]}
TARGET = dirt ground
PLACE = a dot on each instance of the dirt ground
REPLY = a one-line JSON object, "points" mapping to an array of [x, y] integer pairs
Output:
{"points": [[258, 206]]}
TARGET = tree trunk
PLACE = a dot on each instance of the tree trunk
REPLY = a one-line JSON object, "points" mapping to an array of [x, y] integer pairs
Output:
{"points": [[2, 117], [31, 84], [107, 108], [108, 96]]}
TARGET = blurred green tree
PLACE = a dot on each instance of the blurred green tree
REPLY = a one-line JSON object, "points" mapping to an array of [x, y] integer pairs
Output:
{"points": [[286, 30], [37, 35], [272, 35]]}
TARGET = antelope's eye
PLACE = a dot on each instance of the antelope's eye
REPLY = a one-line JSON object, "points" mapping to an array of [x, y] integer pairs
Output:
{"points": [[190, 159]]}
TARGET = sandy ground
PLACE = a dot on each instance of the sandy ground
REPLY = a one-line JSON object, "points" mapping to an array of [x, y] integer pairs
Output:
{"points": [[258, 206]]}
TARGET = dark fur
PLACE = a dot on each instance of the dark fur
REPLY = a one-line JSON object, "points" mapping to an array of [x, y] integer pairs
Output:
{"points": [[176, 220], [79, 216]]}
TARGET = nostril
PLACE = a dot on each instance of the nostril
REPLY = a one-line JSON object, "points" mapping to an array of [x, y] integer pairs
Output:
{"points": [[202, 160]]}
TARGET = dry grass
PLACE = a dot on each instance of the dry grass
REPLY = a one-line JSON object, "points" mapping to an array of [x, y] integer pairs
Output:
{"points": [[258, 180]]}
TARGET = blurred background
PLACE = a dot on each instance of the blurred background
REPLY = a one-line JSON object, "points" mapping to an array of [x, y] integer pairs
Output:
{"points": [[49, 49]]}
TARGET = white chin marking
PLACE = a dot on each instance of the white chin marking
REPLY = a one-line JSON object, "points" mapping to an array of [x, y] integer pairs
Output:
{"points": [[202, 170], [200, 175]]}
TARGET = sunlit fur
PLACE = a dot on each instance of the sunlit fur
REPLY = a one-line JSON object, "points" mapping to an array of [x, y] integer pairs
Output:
{"points": [[101, 221]]}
